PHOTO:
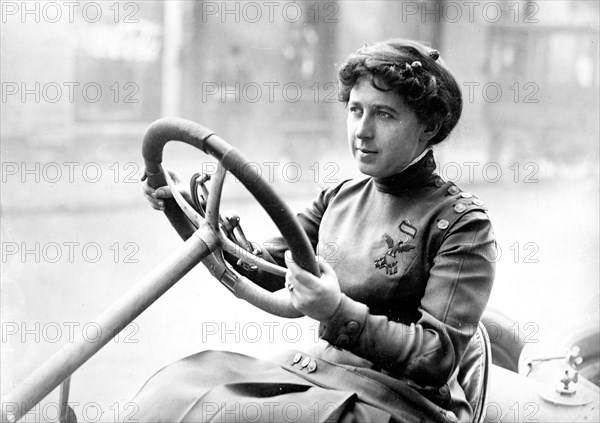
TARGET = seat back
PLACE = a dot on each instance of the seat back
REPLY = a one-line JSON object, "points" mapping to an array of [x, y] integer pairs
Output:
{"points": [[474, 373]]}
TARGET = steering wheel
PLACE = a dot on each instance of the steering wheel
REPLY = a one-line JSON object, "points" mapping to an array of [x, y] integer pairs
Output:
{"points": [[187, 222]]}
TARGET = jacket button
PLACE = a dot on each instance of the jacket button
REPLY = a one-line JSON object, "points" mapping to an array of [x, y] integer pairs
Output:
{"points": [[453, 190], [297, 358], [460, 207], [305, 362], [444, 391], [312, 366], [352, 326], [343, 340], [443, 224]]}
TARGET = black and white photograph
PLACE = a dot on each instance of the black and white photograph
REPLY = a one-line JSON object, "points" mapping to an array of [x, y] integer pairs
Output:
{"points": [[300, 211]]}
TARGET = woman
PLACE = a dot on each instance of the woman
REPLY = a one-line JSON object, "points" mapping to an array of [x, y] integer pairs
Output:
{"points": [[401, 300]]}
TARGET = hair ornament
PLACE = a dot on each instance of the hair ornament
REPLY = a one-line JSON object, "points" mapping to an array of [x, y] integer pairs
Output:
{"points": [[408, 70], [416, 64], [434, 54]]}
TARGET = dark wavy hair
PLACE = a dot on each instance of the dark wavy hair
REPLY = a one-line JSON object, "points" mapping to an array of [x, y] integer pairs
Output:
{"points": [[413, 71]]}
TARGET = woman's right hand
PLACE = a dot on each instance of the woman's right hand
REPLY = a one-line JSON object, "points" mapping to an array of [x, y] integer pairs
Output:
{"points": [[156, 196]]}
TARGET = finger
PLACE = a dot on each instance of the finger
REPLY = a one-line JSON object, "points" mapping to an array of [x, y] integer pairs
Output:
{"points": [[303, 278], [287, 255], [289, 278], [160, 206], [324, 267], [291, 264], [153, 200], [155, 204], [147, 189], [157, 207], [160, 192], [297, 291], [294, 288], [163, 192], [294, 268]]}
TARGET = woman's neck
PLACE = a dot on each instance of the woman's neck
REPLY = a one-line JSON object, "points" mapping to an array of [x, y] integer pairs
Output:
{"points": [[416, 174]]}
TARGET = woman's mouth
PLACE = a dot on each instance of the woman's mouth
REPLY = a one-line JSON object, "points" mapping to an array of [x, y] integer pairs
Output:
{"points": [[365, 150], [364, 153]]}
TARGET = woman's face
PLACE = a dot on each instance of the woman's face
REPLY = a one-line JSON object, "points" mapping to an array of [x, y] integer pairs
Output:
{"points": [[384, 133]]}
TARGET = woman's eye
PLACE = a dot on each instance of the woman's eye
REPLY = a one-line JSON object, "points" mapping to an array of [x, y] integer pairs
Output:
{"points": [[384, 115]]}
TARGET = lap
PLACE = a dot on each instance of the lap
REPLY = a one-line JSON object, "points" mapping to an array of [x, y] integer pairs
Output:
{"points": [[225, 387]]}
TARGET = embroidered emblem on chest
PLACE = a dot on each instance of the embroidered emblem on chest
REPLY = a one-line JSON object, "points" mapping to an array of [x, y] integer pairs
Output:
{"points": [[388, 260]]}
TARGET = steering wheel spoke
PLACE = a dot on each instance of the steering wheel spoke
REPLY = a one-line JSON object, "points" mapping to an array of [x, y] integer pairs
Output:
{"points": [[214, 198], [247, 257]]}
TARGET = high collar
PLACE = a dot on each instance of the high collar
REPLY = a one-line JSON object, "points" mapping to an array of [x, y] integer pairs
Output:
{"points": [[415, 176]]}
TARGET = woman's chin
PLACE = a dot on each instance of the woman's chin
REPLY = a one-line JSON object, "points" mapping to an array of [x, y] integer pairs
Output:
{"points": [[369, 169]]}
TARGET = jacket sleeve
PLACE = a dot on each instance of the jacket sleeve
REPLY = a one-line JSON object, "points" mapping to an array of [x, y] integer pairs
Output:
{"points": [[428, 351]]}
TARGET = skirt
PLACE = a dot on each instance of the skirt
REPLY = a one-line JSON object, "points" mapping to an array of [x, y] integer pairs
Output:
{"points": [[218, 386]]}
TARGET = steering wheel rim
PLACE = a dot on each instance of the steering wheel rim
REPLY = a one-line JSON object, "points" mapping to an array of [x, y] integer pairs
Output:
{"points": [[162, 131]]}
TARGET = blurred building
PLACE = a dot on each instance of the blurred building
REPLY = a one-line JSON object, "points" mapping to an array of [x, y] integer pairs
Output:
{"points": [[88, 69], [252, 70]]}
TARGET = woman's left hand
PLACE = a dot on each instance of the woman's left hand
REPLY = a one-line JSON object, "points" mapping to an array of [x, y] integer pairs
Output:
{"points": [[316, 297]]}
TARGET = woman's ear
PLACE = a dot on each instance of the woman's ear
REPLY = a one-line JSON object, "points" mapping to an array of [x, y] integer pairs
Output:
{"points": [[430, 130]]}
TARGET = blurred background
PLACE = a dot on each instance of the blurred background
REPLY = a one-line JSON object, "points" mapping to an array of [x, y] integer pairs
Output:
{"points": [[81, 81]]}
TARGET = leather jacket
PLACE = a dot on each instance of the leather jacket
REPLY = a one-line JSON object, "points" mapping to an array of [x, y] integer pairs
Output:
{"points": [[414, 256]]}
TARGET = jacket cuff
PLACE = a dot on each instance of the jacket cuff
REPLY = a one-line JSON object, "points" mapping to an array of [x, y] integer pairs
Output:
{"points": [[344, 328]]}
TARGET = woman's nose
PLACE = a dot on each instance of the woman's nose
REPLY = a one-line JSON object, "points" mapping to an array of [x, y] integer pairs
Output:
{"points": [[364, 128]]}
